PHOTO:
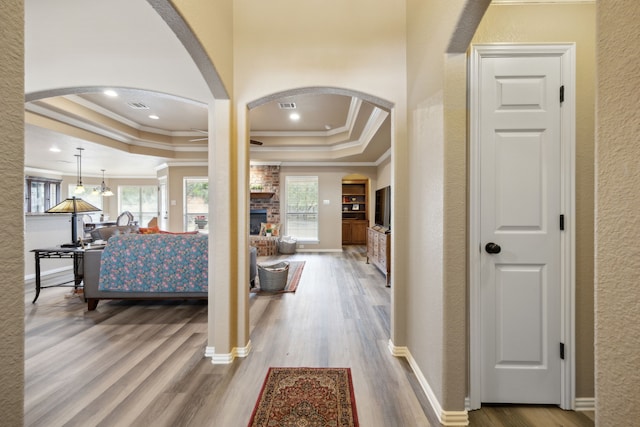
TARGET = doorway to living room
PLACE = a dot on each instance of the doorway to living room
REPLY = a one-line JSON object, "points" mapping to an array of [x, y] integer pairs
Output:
{"points": [[348, 140]]}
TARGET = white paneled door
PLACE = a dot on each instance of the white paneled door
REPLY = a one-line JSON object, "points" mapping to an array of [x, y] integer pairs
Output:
{"points": [[520, 220]]}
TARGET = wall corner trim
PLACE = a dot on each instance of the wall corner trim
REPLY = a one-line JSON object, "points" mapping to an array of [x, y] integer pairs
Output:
{"points": [[446, 418], [585, 404], [224, 359]]}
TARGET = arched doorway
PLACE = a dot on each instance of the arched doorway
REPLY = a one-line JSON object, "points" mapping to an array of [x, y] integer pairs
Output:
{"points": [[321, 151]]}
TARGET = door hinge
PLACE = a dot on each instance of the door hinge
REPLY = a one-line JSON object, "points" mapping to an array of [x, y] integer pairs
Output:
{"points": [[561, 94], [562, 350], [561, 222]]}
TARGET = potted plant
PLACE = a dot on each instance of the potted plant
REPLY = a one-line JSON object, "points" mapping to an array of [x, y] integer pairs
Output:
{"points": [[256, 187], [201, 221], [268, 232]]}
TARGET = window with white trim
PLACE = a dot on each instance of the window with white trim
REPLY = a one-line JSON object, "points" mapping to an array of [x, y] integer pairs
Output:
{"points": [[196, 204], [140, 200], [301, 207]]}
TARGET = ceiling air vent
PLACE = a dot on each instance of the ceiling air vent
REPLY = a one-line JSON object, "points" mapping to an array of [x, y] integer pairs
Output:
{"points": [[137, 105], [287, 105]]}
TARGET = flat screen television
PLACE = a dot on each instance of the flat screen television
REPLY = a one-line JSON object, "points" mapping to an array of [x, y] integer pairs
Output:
{"points": [[383, 207]]}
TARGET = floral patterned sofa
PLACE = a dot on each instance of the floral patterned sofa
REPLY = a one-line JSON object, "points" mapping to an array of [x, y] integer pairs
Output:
{"points": [[151, 266], [147, 266]]}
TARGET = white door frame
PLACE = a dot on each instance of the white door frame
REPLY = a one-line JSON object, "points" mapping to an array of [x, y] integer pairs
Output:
{"points": [[566, 51]]}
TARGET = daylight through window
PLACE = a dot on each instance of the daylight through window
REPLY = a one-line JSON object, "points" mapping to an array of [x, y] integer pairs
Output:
{"points": [[196, 204], [302, 207], [140, 200]]}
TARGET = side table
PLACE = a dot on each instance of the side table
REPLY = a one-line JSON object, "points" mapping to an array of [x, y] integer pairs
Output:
{"points": [[76, 254]]}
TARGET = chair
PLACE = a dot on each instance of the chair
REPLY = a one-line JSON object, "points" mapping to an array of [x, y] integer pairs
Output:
{"points": [[125, 218], [87, 225]]}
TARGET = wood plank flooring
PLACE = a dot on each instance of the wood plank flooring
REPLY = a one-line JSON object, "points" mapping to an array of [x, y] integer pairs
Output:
{"points": [[142, 363]]}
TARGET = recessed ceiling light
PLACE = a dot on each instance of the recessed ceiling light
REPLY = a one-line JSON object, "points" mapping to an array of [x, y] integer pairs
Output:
{"points": [[111, 93], [154, 117], [55, 149], [294, 116]]}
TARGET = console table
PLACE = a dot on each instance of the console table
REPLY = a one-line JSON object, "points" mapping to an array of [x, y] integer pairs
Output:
{"points": [[379, 250], [76, 254]]}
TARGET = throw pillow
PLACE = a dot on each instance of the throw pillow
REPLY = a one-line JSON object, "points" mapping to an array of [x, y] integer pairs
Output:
{"points": [[148, 230], [275, 228], [178, 232]]}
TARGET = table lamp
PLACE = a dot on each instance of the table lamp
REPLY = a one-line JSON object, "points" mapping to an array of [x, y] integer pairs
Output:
{"points": [[73, 206]]}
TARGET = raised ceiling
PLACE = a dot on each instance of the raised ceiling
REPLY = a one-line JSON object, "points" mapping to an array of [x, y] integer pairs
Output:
{"points": [[118, 134]]}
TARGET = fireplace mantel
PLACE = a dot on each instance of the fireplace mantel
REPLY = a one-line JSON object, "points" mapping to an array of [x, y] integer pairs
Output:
{"points": [[261, 195]]}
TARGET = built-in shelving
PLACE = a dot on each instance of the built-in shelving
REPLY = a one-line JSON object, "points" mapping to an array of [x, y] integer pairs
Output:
{"points": [[354, 212]]}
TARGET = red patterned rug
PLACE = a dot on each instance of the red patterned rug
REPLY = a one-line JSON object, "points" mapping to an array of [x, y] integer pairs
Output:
{"points": [[313, 397]]}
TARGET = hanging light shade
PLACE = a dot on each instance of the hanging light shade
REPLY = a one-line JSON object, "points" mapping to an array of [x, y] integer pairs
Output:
{"points": [[79, 187], [103, 190]]}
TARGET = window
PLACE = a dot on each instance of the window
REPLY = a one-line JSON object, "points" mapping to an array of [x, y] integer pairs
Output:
{"points": [[301, 208], [196, 204], [140, 200], [41, 194]]}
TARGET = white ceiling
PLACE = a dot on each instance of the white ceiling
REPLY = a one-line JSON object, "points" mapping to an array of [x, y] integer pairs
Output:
{"points": [[332, 128]]}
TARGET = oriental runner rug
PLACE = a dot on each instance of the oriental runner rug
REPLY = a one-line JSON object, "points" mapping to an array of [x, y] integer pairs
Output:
{"points": [[313, 397], [293, 278]]}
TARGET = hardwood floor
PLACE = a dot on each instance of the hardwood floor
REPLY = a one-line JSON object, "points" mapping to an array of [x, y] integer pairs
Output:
{"points": [[143, 364], [528, 415]]}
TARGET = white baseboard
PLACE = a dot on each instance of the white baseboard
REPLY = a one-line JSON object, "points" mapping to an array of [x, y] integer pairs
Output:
{"points": [[585, 404], [318, 250], [50, 276], [226, 358], [446, 418]]}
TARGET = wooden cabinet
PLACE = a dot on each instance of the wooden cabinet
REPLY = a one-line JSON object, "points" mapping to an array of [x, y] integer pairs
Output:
{"points": [[346, 232], [354, 232], [354, 212], [379, 250]]}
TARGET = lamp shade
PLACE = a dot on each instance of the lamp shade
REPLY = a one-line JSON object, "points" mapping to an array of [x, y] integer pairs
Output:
{"points": [[73, 206]]}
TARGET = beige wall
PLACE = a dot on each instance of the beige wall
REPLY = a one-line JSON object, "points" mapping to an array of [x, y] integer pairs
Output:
{"points": [[330, 188], [11, 213], [383, 174], [363, 49], [212, 23], [175, 187], [545, 23], [617, 219], [435, 165], [617, 329]]}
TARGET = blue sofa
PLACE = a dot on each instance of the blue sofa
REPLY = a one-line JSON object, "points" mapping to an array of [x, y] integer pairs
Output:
{"points": [[150, 266]]}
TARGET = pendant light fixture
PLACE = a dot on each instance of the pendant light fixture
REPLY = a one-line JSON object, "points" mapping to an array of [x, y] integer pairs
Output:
{"points": [[103, 190], [79, 187]]}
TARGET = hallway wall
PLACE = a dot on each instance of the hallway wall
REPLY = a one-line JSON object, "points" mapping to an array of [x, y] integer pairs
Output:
{"points": [[617, 220], [549, 23], [11, 214]]}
